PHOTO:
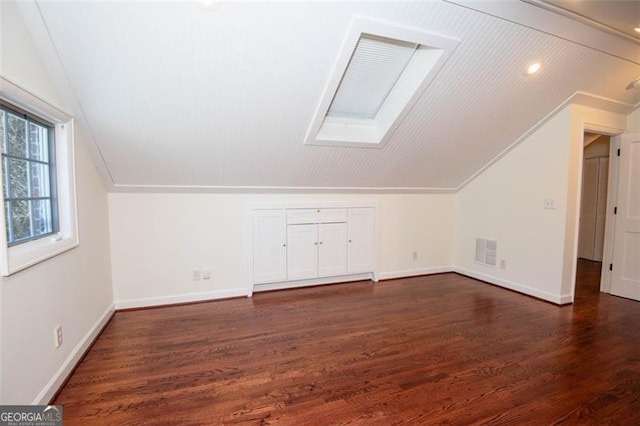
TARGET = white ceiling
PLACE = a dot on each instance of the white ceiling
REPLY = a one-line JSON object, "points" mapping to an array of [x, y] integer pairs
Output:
{"points": [[181, 94]]}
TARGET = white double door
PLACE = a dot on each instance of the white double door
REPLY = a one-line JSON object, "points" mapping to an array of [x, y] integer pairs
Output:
{"points": [[316, 250]]}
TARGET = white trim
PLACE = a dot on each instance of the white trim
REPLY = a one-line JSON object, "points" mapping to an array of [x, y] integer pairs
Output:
{"points": [[16, 95], [610, 219], [415, 272], [280, 285], [284, 205], [558, 299], [217, 189], [50, 389], [180, 298]]}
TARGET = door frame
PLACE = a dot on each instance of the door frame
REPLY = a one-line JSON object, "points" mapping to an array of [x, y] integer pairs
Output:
{"points": [[612, 187]]}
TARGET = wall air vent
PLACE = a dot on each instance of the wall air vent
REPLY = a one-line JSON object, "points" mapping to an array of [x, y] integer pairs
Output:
{"points": [[487, 252], [378, 76]]}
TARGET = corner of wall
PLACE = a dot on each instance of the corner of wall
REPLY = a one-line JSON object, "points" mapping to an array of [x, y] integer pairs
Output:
{"points": [[507, 203]]}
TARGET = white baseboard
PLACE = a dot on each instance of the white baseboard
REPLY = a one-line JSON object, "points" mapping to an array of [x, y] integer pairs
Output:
{"points": [[74, 357], [180, 298], [414, 272], [559, 299], [311, 282]]}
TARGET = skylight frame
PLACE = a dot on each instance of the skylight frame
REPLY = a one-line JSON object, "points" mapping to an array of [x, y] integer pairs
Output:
{"points": [[434, 51]]}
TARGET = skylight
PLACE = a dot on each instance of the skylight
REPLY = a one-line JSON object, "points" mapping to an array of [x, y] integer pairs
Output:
{"points": [[375, 67], [379, 74]]}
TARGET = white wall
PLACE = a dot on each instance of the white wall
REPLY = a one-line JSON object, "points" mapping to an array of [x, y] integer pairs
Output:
{"points": [[633, 122], [72, 289], [506, 202], [157, 239]]}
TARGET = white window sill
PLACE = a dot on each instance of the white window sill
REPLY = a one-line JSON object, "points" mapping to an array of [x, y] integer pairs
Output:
{"points": [[28, 254]]}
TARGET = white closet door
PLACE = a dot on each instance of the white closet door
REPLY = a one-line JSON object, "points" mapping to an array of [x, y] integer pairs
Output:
{"points": [[588, 209]]}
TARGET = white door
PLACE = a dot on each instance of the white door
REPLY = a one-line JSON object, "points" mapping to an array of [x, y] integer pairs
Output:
{"points": [[302, 253], [625, 279], [269, 246], [332, 249], [360, 245]]}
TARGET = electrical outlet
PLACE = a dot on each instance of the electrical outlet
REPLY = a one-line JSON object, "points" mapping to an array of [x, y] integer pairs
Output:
{"points": [[57, 335], [503, 263], [549, 203], [415, 255], [196, 275], [206, 274]]}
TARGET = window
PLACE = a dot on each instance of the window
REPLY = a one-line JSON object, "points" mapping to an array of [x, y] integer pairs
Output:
{"points": [[38, 218], [378, 76], [375, 66], [28, 178]]}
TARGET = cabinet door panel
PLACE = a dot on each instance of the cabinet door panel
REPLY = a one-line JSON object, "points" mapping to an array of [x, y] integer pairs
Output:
{"points": [[269, 250], [302, 216], [360, 252], [332, 255], [302, 251]]}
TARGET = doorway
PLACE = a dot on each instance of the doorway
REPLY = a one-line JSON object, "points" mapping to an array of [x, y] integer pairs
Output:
{"points": [[593, 212]]}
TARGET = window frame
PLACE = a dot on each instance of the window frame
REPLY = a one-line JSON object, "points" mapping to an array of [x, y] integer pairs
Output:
{"points": [[22, 255], [9, 108]]}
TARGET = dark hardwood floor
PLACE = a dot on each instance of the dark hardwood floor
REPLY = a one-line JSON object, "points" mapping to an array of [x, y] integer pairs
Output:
{"points": [[441, 349]]}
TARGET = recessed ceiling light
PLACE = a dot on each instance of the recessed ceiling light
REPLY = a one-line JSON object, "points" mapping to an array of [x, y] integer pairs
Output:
{"points": [[637, 29], [533, 68]]}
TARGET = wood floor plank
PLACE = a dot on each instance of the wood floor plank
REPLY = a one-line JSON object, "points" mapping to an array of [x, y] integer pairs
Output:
{"points": [[441, 349]]}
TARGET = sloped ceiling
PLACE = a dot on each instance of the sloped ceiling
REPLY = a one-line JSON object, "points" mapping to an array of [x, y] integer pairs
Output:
{"points": [[221, 95]]}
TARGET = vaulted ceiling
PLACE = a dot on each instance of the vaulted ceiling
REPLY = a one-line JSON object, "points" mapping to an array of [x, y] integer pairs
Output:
{"points": [[212, 94]]}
